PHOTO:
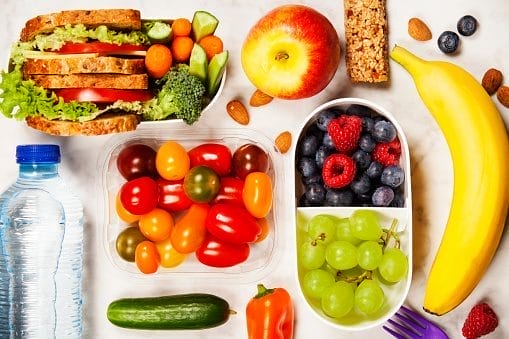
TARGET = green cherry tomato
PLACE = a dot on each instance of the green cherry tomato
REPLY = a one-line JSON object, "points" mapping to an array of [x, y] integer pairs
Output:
{"points": [[126, 242], [201, 184]]}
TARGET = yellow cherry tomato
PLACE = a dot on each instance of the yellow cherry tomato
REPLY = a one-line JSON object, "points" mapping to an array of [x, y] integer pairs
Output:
{"points": [[156, 225], [170, 257], [146, 257], [257, 194], [264, 225], [190, 231], [124, 214], [172, 161]]}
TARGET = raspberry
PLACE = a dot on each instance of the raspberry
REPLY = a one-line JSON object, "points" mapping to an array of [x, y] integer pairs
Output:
{"points": [[387, 153], [338, 170], [345, 132], [480, 321]]}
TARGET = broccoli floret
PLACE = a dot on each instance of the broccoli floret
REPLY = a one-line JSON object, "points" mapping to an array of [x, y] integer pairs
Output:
{"points": [[181, 95]]}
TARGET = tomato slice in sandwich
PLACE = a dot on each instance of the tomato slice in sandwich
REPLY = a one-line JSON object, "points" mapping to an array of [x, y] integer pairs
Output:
{"points": [[103, 95], [99, 47]]}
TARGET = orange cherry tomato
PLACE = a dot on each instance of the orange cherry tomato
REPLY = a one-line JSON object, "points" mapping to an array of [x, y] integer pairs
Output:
{"points": [[156, 225], [146, 257], [264, 225], [172, 161], [168, 254], [189, 231], [124, 214], [257, 194]]}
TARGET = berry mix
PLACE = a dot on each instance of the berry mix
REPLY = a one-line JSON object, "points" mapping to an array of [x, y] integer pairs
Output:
{"points": [[350, 158]]}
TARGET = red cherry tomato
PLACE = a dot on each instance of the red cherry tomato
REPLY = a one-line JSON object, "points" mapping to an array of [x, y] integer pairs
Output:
{"points": [[189, 231], [172, 197], [103, 95], [257, 194], [139, 196], [216, 156], [232, 223], [146, 257], [249, 158], [230, 190], [137, 160], [217, 253]]}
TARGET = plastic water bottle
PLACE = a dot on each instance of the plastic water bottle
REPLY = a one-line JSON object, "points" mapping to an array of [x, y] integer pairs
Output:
{"points": [[41, 233]]}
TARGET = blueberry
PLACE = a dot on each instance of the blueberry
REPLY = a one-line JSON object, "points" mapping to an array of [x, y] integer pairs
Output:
{"points": [[361, 184], [313, 179], [384, 131], [304, 202], [367, 124], [392, 176], [342, 197], [398, 200], [321, 154], [324, 118], [364, 199], [374, 170], [359, 110], [327, 141], [366, 143], [382, 196], [308, 145], [448, 42], [307, 166], [362, 159], [315, 193], [467, 25]]}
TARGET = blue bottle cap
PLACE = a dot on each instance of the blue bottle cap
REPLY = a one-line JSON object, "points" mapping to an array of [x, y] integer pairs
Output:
{"points": [[26, 154]]}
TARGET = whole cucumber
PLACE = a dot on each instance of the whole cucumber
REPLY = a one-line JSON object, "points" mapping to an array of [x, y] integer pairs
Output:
{"points": [[184, 311]]}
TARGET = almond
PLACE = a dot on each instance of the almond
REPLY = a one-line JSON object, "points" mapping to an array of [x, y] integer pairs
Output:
{"points": [[238, 112], [492, 80], [418, 30], [259, 99], [283, 142], [503, 95]]}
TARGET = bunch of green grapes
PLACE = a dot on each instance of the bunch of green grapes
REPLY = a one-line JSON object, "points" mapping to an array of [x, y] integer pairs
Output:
{"points": [[340, 257]]}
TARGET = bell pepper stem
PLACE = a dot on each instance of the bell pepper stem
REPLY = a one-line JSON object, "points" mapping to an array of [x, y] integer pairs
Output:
{"points": [[263, 291]]}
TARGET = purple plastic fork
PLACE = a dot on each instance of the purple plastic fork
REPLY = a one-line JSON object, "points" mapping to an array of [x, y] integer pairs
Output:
{"points": [[408, 324]]}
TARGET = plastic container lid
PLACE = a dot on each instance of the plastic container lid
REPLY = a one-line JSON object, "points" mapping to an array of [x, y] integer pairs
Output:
{"points": [[26, 154]]}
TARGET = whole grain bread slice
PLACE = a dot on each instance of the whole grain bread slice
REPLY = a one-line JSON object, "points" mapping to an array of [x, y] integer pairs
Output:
{"points": [[103, 125], [117, 81], [117, 19], [77, 64]]}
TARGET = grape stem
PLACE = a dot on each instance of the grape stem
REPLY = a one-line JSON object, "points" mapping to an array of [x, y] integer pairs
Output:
{"points": [[391, 233], [356, 279]]}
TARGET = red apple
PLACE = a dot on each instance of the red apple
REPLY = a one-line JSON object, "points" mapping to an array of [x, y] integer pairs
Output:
{"points": [[292, 52]]}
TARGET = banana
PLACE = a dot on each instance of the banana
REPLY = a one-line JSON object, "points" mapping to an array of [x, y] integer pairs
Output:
{"points": [[479, 148]]}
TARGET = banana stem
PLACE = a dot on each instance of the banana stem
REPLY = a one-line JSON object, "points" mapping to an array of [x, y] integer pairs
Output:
{"points": [[405, 58]]}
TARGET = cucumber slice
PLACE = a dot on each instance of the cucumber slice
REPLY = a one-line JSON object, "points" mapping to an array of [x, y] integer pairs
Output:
{"points": [[216, 70], [203, 24], [159, 32], [198, 63]]}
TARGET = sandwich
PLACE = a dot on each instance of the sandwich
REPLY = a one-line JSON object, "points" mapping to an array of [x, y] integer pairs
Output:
{"points": [[82, 72]]}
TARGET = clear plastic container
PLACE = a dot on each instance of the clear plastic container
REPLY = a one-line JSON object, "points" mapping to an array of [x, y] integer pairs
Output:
{"points": [[263, 255], [395, 294]]}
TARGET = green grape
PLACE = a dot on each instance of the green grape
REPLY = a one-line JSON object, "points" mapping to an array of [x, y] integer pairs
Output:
{"points": [[365, 225], [341, 255], [369, 255], [327, 267], [312, 255], [322, 228], [343, 231], [394, 265], [315, 282], [338, 299], [369, 297]]}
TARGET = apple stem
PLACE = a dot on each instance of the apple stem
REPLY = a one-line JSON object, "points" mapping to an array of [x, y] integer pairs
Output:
{"points": [[281, 56]]}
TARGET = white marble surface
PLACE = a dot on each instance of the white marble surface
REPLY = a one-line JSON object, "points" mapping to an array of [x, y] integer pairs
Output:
{"points": [[430, 161]]}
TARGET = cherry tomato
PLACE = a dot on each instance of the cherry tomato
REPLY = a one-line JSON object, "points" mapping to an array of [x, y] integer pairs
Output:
{"points": [[124, 214], [189, 231], [249, 158], [139, 196], [232, 223], [216, 156], [146, 257], [201, 184], [156, 225], [172, 161], [230, 190], [103, 95], [172, 197], [257, 194], [137, 160], [217, 253], [168, 254], [265, 227], [126, 242]]}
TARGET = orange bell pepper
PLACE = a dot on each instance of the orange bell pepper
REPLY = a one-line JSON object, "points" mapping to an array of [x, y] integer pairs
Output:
{"points": [[270, 314]]}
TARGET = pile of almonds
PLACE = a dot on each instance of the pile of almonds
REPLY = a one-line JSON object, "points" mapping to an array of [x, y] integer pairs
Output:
{"points": [[492, 83]]}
